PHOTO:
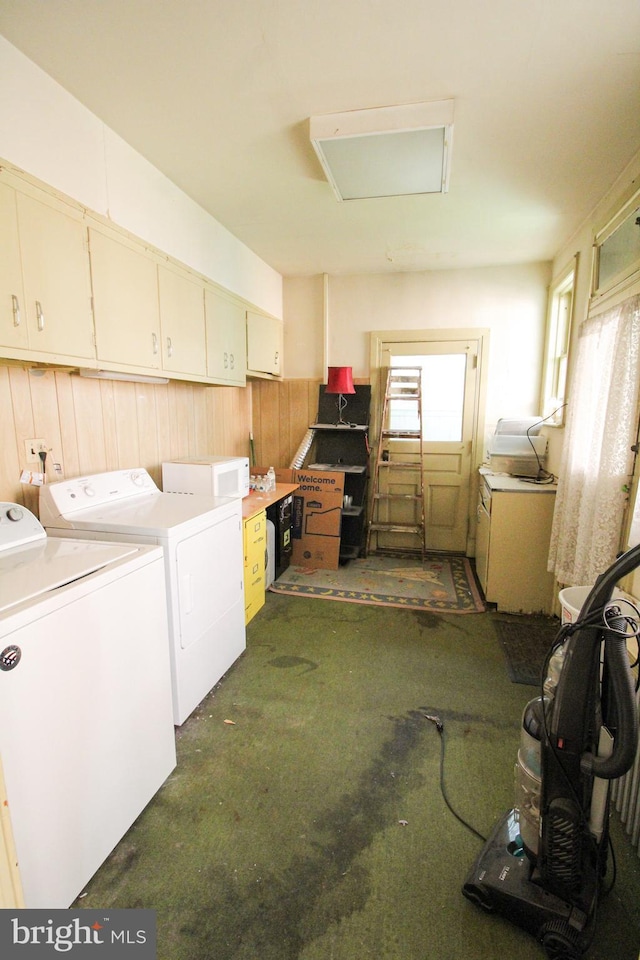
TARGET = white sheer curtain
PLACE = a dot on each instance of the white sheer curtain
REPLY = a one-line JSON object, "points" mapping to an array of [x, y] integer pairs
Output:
{"points": [[597, 459]]}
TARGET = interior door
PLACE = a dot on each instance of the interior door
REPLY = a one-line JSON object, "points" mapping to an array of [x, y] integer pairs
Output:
{"points": [[449, 415]]}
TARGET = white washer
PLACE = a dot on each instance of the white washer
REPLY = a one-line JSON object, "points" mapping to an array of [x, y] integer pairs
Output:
{"points": [[202, 541], [86, 724]]}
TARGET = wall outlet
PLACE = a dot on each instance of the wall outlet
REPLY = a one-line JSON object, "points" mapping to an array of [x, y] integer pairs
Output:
{"points": [[32, 448]]}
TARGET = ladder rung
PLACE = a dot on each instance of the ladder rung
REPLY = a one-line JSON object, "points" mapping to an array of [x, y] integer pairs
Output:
{"points": [[403, 384], [397, 527]]}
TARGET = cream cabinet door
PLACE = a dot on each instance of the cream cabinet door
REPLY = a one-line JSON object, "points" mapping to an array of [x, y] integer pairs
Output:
{"points": [[517, 579], [13, 314], [264, 344], [226, 338], [125, 302], [184, 348], [56, 306]]}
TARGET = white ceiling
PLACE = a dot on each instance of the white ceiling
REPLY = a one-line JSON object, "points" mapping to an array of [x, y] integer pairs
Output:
{"points": [[217, 94]]}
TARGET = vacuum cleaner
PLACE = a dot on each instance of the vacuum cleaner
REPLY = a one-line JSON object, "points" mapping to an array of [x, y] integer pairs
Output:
{"points": [[544, 865]]}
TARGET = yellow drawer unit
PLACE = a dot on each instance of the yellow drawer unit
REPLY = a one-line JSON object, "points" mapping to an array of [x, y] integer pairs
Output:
{"points": [[255, 545]]}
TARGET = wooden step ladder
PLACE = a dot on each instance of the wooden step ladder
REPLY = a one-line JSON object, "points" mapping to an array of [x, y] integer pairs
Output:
{"points": [[404, 385]]}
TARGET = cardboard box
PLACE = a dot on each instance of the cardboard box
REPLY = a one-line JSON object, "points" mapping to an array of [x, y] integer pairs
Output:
{"points": [[317, 516]]}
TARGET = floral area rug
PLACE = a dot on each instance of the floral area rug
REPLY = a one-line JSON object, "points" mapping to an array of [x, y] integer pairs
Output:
{"points": [[441, 582]]}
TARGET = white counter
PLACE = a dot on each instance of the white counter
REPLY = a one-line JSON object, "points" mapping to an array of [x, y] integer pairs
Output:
{"points": [[504, 481]]}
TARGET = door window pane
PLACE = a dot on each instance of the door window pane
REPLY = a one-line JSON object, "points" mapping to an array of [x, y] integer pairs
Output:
{"points": [[442, 384]]}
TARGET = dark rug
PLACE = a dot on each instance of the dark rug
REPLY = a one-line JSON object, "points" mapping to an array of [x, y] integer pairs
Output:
{"points": [[525, 642]]}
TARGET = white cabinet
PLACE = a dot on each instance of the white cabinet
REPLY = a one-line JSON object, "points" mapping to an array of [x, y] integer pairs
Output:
{"points": [[226, 337], [512, 545], [13, 313], [264, 344], [44, 280], [125, 302], [79, 291], [184, 348]]}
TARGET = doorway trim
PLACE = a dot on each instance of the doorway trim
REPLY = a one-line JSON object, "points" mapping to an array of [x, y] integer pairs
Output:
{"points": [[481, 335]]}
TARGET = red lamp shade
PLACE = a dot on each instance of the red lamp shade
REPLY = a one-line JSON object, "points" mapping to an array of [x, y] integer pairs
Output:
{"points": [[340, 380]]}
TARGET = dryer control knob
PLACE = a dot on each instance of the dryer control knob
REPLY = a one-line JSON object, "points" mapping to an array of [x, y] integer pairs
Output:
{"points": [[15, 513], [88, 491]]}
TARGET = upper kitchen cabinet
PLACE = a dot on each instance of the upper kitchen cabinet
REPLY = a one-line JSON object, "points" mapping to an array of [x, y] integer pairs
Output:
{"points": [[13, 318], [264, 345], [184, 348], [226, 337], [44, 280], [126, 311]]}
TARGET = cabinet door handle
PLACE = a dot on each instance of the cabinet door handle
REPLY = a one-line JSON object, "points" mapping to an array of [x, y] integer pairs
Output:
{"points": [[277, 358], [232, 363], [39, 316], [169, 347], [15, 304], [154, 344], [226, 360]]}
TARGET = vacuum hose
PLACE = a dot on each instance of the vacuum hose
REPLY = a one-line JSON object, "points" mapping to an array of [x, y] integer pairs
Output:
{"points": [[626, 735], [626, 738]]}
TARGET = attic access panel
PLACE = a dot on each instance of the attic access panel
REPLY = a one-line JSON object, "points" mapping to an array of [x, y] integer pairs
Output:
{"points": [[386, 151]]}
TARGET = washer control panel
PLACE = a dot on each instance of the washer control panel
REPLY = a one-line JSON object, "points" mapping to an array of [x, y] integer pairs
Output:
{"points": [[59, 500]]}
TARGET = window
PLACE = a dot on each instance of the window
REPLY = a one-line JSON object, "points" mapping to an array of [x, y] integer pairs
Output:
{"points": [[559, 317], [443, 392], [617, 249]]}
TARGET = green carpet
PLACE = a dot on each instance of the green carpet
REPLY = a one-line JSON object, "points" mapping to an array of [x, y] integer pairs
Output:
{"points": [[525, 642], [312, 826], [440, 583]]}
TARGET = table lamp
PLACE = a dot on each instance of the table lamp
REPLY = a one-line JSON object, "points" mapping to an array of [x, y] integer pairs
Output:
{"points": [[340, 381]]}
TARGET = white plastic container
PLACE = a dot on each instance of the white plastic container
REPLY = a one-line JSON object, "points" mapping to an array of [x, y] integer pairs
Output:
{"points": [[572, 600]]}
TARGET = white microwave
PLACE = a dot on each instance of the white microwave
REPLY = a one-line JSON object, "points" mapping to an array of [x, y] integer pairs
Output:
{"points": [[211, 476]]}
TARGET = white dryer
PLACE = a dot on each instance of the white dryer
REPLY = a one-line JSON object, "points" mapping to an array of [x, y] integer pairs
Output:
{"points": [[203, 554], [86, 722]]}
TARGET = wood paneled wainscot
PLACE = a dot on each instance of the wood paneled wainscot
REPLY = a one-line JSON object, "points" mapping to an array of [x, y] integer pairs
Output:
{"points": [[91, 426]]}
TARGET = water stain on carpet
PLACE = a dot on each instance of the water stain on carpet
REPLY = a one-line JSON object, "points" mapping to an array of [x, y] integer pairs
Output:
{"points": [[430, 621], [276, 915], [287, 663]]}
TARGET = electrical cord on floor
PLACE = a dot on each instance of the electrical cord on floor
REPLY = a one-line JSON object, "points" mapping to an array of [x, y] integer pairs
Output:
{"points": [[440, 728]]}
